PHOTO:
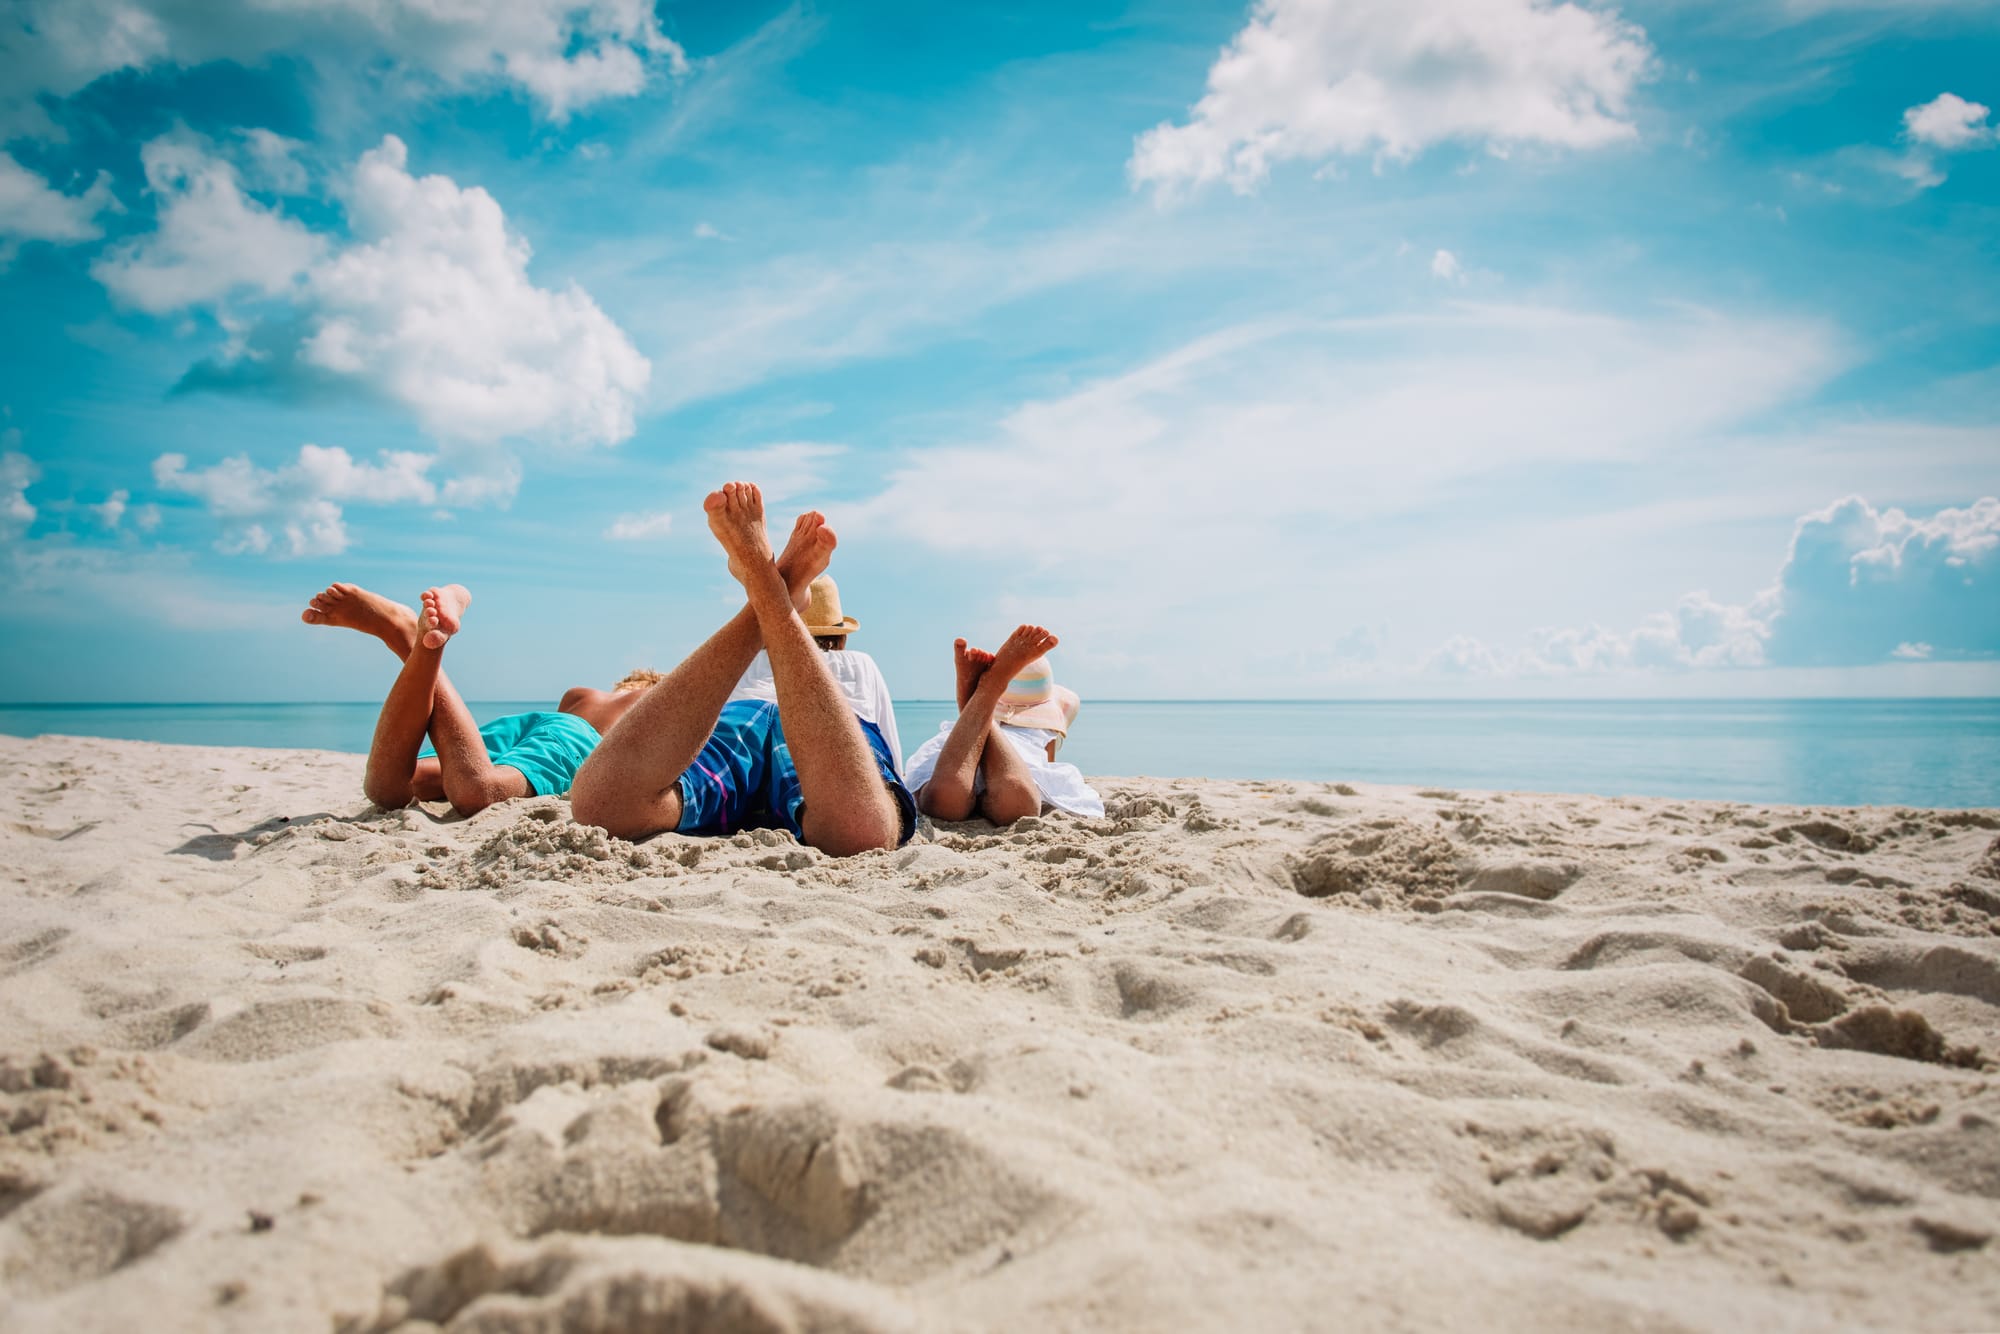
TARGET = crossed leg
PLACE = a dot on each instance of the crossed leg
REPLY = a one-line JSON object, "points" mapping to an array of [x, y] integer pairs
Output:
{"points": [[847, 807], [421, 701], [630, 785], [975, 748]]}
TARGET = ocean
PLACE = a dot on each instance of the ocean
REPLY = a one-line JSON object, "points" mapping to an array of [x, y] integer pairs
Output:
{"points": [[1929, 752]]}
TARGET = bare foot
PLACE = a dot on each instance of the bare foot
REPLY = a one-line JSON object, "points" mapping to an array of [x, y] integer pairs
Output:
{"points": [[352, 607], [443, 608], [736, 517], [807, 553], [971, 664], [1027, 643]]}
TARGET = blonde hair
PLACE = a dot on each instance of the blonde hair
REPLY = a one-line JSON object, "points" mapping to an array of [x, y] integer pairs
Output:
{"points": [[639, 678]]}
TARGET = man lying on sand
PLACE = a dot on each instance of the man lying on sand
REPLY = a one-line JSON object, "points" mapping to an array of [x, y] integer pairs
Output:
{"points": [[999, 756], [692, 759], [522, 755]]}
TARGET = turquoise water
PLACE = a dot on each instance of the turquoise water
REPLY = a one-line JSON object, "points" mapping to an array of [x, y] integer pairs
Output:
{"points": [[1823, 752]]}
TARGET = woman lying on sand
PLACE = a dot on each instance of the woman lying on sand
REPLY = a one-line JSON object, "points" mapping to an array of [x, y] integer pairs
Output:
{"points": [[522, 755], [999, 757]]}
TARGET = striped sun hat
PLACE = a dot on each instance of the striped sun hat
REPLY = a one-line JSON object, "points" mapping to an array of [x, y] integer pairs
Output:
{"points": [[1033, 699]]}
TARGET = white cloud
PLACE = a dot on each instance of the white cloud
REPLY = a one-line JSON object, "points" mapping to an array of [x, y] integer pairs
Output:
{"points": [[33, 210], [707, 231], [111, 510], [565, 54], [296, 510], [17, 473], [783, 472], [1323, 420], [274, 162], [640, 527], [428, 303], [1317, 79], [1858, 586], [1948, 122], [1445, 265], [211, 239], [432, 303]]}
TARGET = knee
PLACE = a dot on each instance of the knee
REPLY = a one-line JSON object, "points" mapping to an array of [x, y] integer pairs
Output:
{"points": [[390, 796], [1006, 802], [854, 839], [468, 798], [938, 806], [601, 805], [856, 832]]}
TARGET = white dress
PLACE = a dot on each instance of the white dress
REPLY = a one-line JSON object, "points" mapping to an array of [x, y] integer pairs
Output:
{"points": [[1061, 785], [859, 678]]}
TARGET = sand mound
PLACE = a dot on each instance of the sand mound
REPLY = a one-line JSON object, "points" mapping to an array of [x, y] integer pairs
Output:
{"points": [[1237, 1055]]}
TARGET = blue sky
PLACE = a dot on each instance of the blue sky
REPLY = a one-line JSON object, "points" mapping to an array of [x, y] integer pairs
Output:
{"points": [[1320, 348]]}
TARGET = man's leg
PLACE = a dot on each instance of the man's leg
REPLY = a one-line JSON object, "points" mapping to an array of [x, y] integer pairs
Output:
{"points": [[630, 785], [847, 807], [975, 744]]}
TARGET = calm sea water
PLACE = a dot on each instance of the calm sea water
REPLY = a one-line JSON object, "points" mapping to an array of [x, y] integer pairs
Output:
{"points": [[1831, 752]]}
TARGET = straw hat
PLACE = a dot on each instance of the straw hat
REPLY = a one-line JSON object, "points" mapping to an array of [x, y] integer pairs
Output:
{"points": [[823, 609], [1033, 699]]}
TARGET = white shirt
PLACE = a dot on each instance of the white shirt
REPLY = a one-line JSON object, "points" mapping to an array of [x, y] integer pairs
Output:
{"points": [[859, 679]]}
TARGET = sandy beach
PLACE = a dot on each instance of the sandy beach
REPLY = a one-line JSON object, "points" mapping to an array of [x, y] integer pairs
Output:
{"points": [[1240, 1055]]}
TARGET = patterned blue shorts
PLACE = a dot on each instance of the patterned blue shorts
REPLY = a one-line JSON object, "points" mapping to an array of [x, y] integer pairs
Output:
{"points": [[744, 777]]}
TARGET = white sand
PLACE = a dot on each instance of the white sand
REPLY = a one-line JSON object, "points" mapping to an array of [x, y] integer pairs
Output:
{"points": [[272, 1060]]}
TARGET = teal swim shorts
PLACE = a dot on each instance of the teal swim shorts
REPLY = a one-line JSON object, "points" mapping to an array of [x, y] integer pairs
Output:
{"points": [[548, 748]]}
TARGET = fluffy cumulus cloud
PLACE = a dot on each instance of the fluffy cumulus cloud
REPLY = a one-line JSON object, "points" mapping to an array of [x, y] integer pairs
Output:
{"points": [[1948, 122], [295, 510], [211, 239], [1318, 79], [33, 210], [432, 302], [427, 301], [564, 54], [1861, 583], [1859, 586]]}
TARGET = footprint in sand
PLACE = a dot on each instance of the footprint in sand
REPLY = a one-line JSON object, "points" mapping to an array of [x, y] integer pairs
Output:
{"points": [[541, 1285], [63, 1239], [693, 1158]]}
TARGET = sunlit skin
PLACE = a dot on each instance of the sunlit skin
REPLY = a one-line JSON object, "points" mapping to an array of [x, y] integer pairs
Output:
{"points": [[423, 702], [630, 785], [975, 747]]}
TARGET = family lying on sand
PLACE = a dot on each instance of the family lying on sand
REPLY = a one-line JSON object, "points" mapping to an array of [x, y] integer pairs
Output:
{"points": [[771, 723]]}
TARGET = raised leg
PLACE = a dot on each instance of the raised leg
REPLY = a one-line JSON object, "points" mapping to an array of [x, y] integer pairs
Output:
{"points": [[351, 607], [422, 701], [847, 807], [630, 785], [975, 745]]}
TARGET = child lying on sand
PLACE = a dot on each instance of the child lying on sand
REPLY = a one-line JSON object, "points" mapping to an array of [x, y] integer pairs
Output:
{"points": [[999, 757], [522, 755]]}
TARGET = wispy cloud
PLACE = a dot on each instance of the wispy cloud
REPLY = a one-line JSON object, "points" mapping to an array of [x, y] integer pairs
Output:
{"points": [[640, 527]]}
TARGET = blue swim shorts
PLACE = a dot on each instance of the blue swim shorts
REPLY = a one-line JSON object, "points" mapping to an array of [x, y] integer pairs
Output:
{"points": [[744, 777], [548, 748]]}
